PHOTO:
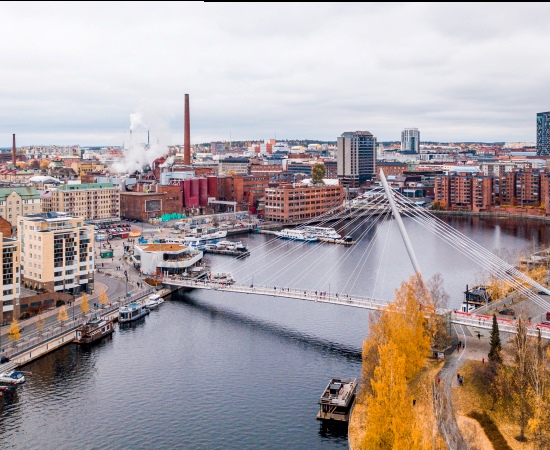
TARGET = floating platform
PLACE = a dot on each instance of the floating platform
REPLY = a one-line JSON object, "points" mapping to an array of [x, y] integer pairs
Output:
{"points": [[337, 400]]}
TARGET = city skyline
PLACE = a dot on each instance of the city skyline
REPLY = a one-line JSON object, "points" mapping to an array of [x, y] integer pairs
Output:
{"points": [[74, 73]]}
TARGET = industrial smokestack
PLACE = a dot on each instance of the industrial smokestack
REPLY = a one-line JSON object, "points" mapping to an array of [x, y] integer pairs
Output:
{"points": [[187, 134], [13, 152]]}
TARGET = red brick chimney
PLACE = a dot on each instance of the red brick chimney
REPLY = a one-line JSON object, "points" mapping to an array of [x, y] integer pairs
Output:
{"points": [[187, 134], [13, 152]]}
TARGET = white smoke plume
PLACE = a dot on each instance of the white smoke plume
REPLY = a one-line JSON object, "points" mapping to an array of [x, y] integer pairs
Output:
{"points": [[137, 151]]}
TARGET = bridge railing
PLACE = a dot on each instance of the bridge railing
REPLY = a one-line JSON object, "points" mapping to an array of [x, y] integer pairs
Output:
{"points": [[504, 325], [317, 296]]}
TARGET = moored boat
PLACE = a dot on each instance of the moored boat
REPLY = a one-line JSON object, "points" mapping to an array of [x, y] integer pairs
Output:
{"points": [[12, 377], [131, 312], [296, 235], [337, 400], [93, 331], [153, 301]]}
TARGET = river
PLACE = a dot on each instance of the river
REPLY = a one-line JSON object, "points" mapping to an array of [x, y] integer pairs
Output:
{"points": [[221, 370]]}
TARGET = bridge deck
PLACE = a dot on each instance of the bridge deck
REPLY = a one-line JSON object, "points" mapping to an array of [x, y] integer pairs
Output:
{"points": [[478, 321]]}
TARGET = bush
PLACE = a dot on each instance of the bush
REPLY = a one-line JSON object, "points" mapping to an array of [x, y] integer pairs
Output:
{"points": [[25, 315], [59, 303], [491, 430]]}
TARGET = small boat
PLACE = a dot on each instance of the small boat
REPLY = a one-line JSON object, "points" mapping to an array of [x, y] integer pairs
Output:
{"points": [[131, 312], [337, 400], [296, 235], [93, 331], [153, 302], [12, 377]]}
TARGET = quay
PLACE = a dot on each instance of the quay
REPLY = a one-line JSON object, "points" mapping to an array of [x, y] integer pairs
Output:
{"points": [[42, 343]]}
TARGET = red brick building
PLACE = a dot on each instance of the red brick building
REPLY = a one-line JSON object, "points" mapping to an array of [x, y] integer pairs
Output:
{"points": [[289, 203], [143, 206], [463, 192]]}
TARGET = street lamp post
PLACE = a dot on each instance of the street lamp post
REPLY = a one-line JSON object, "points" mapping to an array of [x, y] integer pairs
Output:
{"points": [[126, 275], [74, 301]]}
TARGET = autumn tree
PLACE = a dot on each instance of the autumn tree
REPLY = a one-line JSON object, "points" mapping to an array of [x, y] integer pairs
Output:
{"points": [[103, 299], [538, 376], [62, 316], [40, 323], [318, 173], [44, 164], [391, 423], [84, 305], [437, 302], [14, 332], [518, 378]]}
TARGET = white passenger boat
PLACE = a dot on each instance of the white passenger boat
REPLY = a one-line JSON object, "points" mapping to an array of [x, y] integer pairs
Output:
{"points": [[12, 377], [296, 235], [206, 235], [322, 232], [131, 312], [153, 301]]}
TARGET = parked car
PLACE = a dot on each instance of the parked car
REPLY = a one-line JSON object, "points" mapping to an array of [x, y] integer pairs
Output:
{"points": [[507, 312]]}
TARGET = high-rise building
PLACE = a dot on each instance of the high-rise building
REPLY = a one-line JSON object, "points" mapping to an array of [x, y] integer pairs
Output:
{"points": [[543, 133], [356, 158], [56, 252], [410, 140]]}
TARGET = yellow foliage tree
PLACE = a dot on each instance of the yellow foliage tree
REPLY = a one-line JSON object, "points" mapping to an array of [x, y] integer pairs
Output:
{"points": [[62, 316], [84, 305], [21, 164], [44, 163], [404, 322], [103, 299], [14, 333], [391, 423]]}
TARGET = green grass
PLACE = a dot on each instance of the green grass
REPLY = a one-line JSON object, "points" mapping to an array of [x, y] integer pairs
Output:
{"points": [[491, 430]]}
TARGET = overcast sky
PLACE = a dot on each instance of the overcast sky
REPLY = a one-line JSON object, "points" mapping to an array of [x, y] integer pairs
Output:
{"points": [[73, 73]]}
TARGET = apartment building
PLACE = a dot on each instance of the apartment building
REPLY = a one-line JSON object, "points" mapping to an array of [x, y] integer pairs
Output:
{"points": [[92, 201], [464, 191], [9, 277], [520, 188], [289, 203], [19, 201], [56, 252]]}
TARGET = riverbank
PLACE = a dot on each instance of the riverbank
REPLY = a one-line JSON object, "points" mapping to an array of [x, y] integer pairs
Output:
{"points": [[492, 215]]}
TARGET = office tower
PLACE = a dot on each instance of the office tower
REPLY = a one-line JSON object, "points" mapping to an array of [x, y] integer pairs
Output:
{"points": [[356, 158], [543, 133], [410, 140]]}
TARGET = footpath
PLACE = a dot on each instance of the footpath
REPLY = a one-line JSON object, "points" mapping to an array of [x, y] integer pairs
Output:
{"points": [[475, 346]]}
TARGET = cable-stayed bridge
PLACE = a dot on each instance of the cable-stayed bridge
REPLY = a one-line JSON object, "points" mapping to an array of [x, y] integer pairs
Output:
{"points": [[361, 217]]}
